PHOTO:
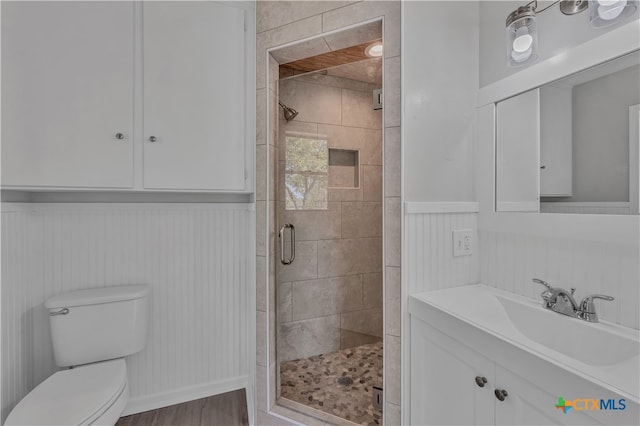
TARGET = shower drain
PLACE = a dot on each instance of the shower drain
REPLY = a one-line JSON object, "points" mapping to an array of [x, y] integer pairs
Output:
{"points": [[345, 381]]}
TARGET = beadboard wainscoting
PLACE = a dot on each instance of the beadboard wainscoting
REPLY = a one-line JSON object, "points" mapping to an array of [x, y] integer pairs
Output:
{"points": [[509, 261], [198, 260], [428, 244], [428, 262]]}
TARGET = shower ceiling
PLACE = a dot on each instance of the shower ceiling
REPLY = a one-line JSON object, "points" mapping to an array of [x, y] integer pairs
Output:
{"points": [[368, 71], [330, 59], [328, 51]]}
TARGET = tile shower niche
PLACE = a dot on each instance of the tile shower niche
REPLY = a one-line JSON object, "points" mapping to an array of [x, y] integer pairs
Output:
{"points": [[344, 168]]}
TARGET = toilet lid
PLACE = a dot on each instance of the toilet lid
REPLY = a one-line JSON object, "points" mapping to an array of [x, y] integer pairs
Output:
{"points": [[72, 397]]}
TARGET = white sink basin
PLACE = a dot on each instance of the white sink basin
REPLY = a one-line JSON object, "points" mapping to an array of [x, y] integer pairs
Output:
{"points": [[606, 354], [593, 344]]}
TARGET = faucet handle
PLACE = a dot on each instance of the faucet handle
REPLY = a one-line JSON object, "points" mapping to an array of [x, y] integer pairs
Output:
{"points": [[587, 308], [587, 303], [544, 283]]}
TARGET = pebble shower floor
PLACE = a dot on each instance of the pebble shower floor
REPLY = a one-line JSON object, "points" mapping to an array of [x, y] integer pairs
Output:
{"points": [[339, 383]]}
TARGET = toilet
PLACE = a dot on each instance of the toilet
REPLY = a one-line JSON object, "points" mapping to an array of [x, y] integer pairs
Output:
{"points": [[92, 331]]}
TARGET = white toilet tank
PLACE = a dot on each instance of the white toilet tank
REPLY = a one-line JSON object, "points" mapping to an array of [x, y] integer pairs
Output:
{"points": [[98, 324]]}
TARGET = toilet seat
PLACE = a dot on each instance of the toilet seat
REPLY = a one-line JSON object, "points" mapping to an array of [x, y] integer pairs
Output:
{"points": [[77, 396]]}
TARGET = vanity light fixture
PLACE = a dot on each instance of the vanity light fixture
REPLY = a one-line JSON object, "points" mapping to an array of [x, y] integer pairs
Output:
{"points": [[374, 50], [602, 12], [571, 7], [522, 35], [608, 12]]}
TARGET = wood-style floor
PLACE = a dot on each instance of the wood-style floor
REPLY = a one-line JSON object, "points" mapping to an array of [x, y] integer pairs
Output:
{"points": [[227, 409]]}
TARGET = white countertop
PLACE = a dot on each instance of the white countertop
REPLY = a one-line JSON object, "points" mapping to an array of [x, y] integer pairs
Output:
{"points": [[480, 306]]}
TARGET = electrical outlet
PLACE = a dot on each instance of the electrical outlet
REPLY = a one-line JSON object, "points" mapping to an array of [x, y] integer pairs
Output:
{"points": [[462, 242]]}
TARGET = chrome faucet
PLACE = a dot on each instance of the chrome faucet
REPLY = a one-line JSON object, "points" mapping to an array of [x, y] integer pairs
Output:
{"points": [[561, 301]]}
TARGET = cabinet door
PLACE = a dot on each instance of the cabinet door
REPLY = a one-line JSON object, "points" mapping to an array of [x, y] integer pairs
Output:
{"points": [[194, 96], [556, 141], [517, 153], [443, 386], [528, 404], [67, 90]]}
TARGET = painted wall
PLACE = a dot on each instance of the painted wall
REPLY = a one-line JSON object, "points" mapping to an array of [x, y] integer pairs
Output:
{"points": [[197, 259], [440, 80], [330, 297], [556, 33]]}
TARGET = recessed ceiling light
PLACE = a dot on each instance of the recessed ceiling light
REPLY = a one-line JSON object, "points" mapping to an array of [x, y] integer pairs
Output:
{"points": [[374, 50]]}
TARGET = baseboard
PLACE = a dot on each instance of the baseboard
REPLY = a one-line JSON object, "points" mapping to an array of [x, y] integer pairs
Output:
{"points": [[189, 393]]}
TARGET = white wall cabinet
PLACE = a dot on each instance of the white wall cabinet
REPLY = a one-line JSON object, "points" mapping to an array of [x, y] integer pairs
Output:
{"points": [[67, 90], [124, 96], [193, 96], [518, 153], [444, 388], [556, 140], [534, 152]]}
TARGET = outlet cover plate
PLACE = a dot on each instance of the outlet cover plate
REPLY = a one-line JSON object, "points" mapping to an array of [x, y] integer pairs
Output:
{"points": [[462, 242]]}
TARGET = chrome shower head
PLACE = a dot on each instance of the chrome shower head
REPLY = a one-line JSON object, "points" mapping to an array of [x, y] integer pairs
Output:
{"points": [[289, 113]]}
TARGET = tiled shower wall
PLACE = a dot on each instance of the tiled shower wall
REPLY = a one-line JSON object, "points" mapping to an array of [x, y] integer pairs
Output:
{"points": [[330, 297], [279, 23]]}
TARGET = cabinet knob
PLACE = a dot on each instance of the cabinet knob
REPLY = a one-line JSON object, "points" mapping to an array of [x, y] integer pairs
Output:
{"points": [[481, 381], [543, 167], [152, 139], [501, 394], [119, 136]]}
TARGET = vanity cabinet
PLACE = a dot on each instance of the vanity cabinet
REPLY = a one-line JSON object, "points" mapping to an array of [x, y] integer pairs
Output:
{"points": [[125, 96], [446, 375], [529, 403], [444, 388]]}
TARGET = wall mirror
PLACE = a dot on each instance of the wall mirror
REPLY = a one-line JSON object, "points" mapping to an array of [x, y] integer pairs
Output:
{"points": [[571, 146]]}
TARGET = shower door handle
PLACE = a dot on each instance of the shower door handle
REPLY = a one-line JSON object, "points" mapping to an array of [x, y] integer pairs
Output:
{"points": [[292, 253]]}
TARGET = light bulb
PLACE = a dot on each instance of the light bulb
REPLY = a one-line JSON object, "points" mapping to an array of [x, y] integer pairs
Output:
{"points": [[374, 50], [521, 56], [523, 40], [605, 13]]}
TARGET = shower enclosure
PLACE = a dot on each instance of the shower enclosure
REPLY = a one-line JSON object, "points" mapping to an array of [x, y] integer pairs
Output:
{"points": [[329, 207]]}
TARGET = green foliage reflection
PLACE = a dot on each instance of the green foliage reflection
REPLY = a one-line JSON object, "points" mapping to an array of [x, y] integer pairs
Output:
{"points": [[306, 173]]}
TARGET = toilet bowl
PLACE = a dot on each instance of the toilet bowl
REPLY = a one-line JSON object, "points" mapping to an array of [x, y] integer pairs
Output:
{"points": [[92, 331], [90, 394]]}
